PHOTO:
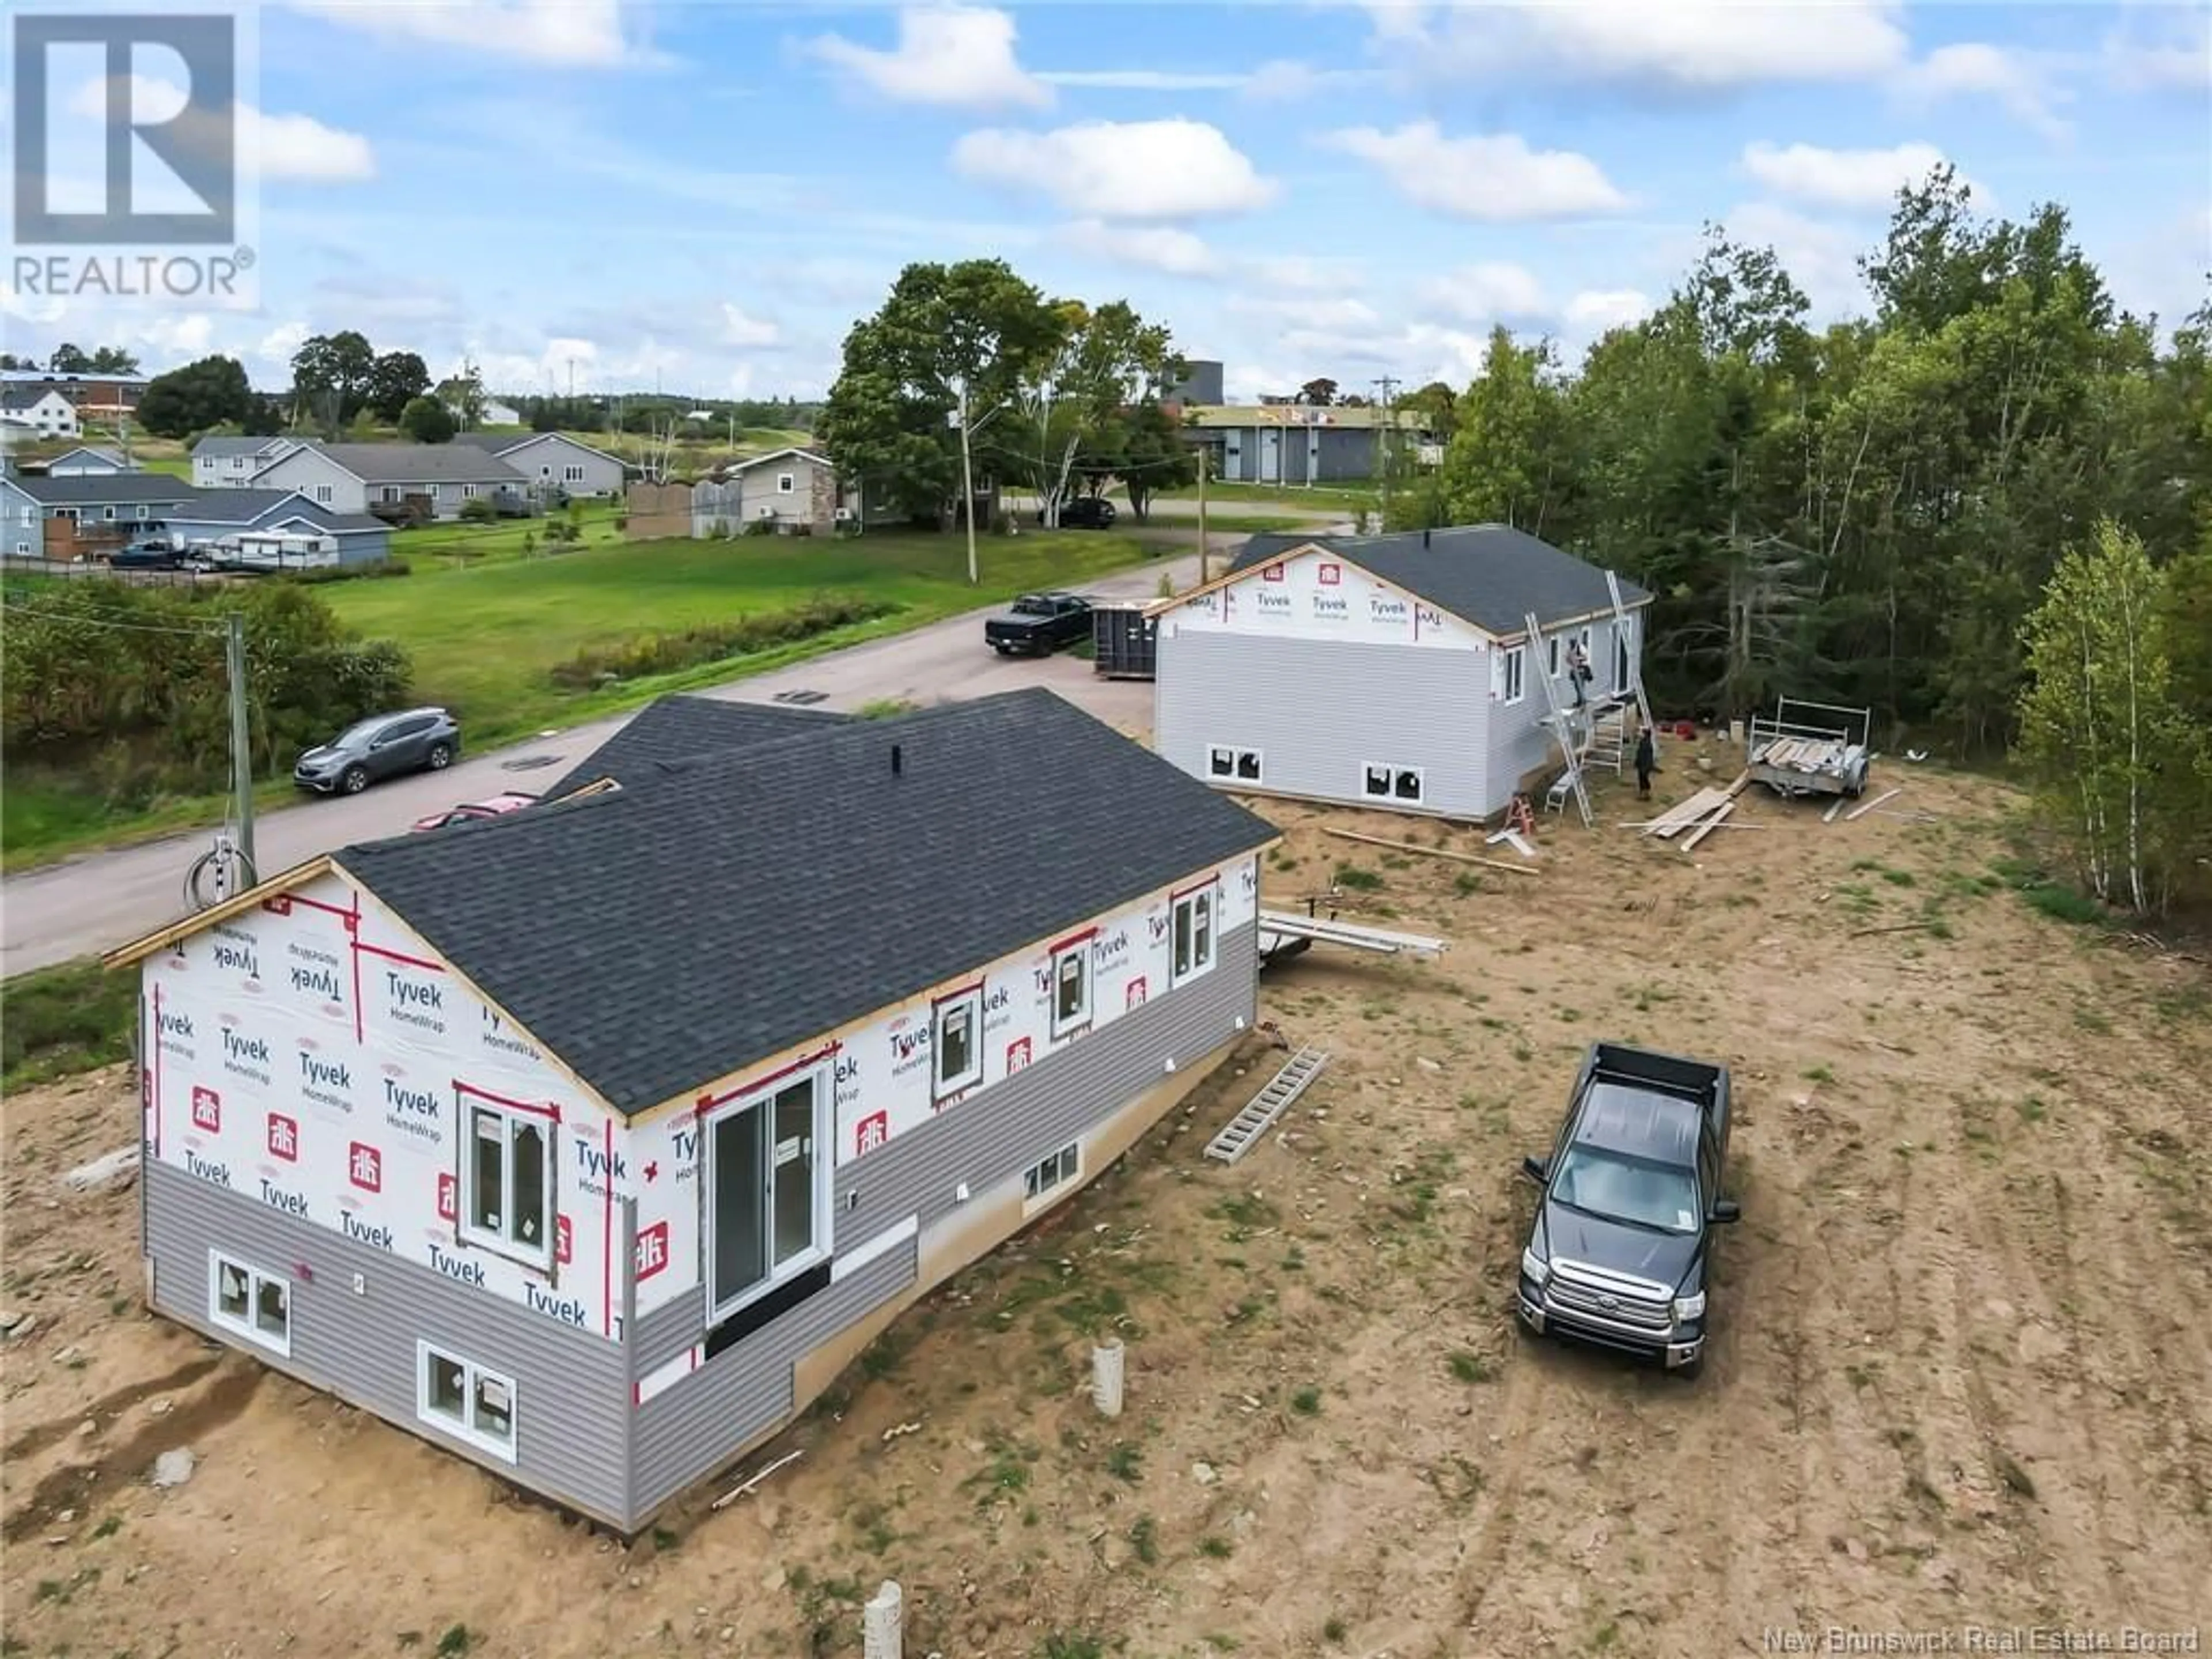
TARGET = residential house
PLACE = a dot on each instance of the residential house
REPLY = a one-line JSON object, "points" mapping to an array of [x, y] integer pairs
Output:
{"points": [[1394, 671], [86, 462], [30, 410], [786, 488], [1298, 443], [86, 515], [553, 462], [220, 514], [354, 477], [231, 462], [104, 396], [591, 1143]]}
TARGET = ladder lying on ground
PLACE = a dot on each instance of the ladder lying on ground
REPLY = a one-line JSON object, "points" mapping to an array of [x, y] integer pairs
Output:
{"points": [[1284, 932], [1237, 1135]]}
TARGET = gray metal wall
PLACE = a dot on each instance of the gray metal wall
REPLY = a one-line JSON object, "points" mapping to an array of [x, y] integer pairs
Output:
{"points": [[686, 1432], [1201, 382], [1320, 710], [572, 1389]]}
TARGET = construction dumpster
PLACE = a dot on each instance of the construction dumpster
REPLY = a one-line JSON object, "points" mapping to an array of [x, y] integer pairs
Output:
{"points": [[1124, 644]]}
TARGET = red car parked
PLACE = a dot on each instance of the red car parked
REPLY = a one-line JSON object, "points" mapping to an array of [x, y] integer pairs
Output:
{"points": [[469, 811]]}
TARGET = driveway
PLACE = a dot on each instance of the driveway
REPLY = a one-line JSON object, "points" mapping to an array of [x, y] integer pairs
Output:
{"points": [[98, 900]]}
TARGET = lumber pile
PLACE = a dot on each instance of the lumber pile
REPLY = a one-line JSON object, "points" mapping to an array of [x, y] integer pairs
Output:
{"points": [[1699, 817], [1803, 754]]}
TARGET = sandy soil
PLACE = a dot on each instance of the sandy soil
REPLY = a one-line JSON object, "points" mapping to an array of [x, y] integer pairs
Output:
{"points": [[1964, 1375]]}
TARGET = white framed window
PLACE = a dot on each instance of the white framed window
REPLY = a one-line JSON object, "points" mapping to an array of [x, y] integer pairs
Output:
{"points": [[22, 549], [1231, 764], [462, 1399], [469, 491], [323, 494], [436, 492], [1552, 655], [572, 473], [142, 509], [1622, 676], [1403, 783], [249, 1303], [1071, 989], [108, 513], [956, 1042], [507, 1182], [1194, 935], [392, 493], [785, 483], [1512, 674], [1048, 1176], [766, 1193]]}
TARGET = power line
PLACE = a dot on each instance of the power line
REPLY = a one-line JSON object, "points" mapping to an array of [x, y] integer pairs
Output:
{"points": [[62, 613]]}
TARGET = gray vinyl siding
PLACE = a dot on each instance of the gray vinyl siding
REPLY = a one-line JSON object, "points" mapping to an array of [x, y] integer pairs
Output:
{"points": [[572, 1389], [543, 464], [303, 469], [691, 1430], [686, 1431], [1314, 454], [1519, 744], [1319, 711]]}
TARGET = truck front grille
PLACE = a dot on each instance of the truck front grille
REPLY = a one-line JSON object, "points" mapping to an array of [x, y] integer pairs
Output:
{"points": [[1593, 1293]]}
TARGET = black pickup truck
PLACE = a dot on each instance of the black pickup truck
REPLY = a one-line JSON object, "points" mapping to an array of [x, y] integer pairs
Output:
{"points": [[1039, 624], [1632, 1198]]}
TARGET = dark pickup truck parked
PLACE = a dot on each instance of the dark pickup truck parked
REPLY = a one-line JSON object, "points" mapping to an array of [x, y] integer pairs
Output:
{"points": [[1619, 1251], [1039, 624]]}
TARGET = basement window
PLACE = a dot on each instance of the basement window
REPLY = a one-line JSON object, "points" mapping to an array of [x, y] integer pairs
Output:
{"points": [[1071, 989], [1403, 783], [1233, 765], [507, 1183], [1194, 935], [463, 1400], [1049, 1176], [956, 1040], [248, 1303]]}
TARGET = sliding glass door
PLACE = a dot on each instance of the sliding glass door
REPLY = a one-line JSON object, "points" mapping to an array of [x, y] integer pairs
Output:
{"points": [[767, 1212]]}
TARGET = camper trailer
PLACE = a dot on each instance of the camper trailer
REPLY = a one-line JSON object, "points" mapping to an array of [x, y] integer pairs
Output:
{"points": [[265, 550]]}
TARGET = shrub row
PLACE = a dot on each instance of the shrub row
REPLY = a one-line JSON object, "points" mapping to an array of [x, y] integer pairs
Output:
{"points": [[642, 655]]}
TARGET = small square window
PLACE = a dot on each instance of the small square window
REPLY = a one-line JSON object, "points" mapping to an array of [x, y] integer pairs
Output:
{"points": [[956, 1040], [1047, 1175], [1071, 989], [785, 483], [465, 1400], [246, 1302]]}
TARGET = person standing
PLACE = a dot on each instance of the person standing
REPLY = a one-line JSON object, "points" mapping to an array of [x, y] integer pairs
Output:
{"points": [[1577, 669], [1647, 763]]}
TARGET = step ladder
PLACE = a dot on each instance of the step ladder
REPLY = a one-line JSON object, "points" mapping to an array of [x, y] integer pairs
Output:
{"points": [[1608, 743], [1570, 724], [1259, 1116]]}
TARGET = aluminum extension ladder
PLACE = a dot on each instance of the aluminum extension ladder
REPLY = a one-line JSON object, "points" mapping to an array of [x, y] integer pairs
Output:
{"points": [[1237, 1135], [1566, 722]]}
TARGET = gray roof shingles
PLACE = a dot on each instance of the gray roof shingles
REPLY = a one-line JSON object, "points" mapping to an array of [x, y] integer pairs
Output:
{"points": [[245, 507], [107, 489], [658, 938], [671, 736], [420, 463], [224, 448], [1487, 574]]}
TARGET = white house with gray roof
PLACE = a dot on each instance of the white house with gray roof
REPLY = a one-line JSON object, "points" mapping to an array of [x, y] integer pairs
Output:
{"points": [[1392, 671], [231, 462], [565, 1143], [37, 411], [553, 462], [354, 477]]}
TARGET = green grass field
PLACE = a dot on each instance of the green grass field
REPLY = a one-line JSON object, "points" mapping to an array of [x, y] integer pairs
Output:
{"points": [[485, 636], [502, 538], [1323, 498]]}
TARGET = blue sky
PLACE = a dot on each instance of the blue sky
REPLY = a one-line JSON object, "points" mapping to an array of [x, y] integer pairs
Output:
{"points": [[705, 195]]}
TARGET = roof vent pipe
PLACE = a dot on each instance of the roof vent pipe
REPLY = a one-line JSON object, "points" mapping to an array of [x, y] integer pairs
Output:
{"points": [[895, 760]]}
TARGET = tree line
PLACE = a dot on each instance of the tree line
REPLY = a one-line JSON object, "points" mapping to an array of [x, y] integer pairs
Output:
{"points": [[1054, 394], [69, 359]]}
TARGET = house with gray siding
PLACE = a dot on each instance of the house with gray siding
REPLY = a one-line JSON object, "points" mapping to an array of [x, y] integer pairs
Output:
{"points": [[1286, 443], [68, 518], [354, 477], [1392, 671], [553, 463], [219, 514], [592, 1142], [231, 462], [87, 461]]}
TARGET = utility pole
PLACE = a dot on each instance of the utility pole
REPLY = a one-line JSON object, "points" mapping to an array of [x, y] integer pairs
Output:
{"points": [[967, 482], [241, 753], [1205, 466], [1385, 432]]}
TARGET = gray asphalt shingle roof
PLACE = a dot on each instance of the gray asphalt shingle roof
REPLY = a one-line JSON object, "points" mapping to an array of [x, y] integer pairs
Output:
{"points": [[657, 939], [224, 448], [1487, 574], [249, 507], [106, 489], [671, 736], [420, 463]]}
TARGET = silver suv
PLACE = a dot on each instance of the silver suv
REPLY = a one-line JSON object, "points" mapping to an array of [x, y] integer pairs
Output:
{"points": [[381, 746]]}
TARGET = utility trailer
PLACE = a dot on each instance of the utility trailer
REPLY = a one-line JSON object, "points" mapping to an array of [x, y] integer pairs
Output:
{"points": [[1810, 749]]}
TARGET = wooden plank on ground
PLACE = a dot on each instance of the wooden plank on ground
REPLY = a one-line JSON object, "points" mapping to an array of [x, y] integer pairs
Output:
{"points": [[1861, 811], [1742, 782], [1834, 807], [1677, 818], [1709, 826], [1429, 852]]}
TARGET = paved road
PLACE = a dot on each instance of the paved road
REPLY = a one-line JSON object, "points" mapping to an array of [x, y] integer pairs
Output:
{"points": [[98, 900]]}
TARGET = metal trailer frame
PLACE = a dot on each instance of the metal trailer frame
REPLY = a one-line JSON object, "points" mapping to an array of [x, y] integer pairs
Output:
{"points": [[1830, 755]]}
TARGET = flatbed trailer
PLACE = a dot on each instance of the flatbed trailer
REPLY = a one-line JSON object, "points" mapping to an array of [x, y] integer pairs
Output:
{"points": [[1810, 749]]}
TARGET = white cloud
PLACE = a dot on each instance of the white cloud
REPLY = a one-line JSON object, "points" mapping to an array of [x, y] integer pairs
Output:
{"points": [[1693, 45], [1286, 81], [747, 332], [1299, 273], [1491, 177], [952, 56], [1851, 179], [1145, 79], [1597, 310], [1166, 248], [1150, 170], [2177, 57], [582, 34], [280, 146], [1342, 314], [2021, 84], [1491, 292], [1821, 258]]}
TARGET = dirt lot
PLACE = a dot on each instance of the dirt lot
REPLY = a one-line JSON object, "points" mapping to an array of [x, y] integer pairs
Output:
{"points": [[1962, 1378]]}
